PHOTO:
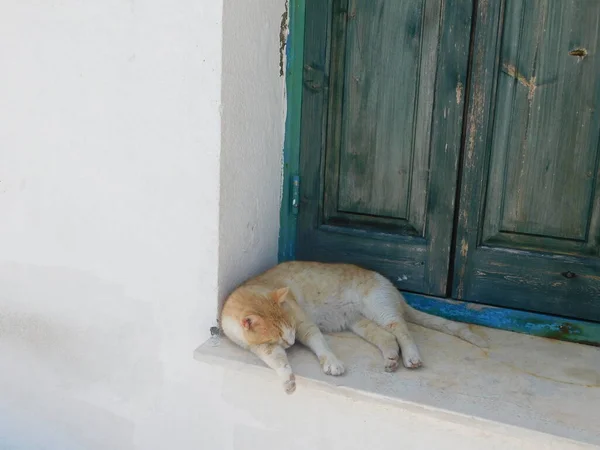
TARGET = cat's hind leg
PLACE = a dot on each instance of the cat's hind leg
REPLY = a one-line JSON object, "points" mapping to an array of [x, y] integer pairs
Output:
{"points": [[380, 338], [384, 307]]}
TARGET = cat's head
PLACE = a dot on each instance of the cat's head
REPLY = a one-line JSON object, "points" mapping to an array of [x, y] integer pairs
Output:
{"points": [[268, 322]]}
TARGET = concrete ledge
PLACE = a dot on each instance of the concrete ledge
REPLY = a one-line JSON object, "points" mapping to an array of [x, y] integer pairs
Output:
{"points": [[539, 390]]}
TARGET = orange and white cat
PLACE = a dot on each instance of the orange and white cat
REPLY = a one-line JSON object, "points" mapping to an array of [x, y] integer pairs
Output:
{"points": [[299, 300]]}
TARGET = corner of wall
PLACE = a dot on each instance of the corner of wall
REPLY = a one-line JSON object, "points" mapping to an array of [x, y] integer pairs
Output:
{"points": [[253, 125]]}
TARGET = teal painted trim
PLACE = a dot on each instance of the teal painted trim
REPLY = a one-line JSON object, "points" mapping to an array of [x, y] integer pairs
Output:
{"points": [[291, 149], [542, 325]]}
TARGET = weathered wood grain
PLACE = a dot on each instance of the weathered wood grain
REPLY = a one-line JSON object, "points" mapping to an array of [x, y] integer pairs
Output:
{"points": [[529, 229], [380, 91], [380, 142], [545, 136]]}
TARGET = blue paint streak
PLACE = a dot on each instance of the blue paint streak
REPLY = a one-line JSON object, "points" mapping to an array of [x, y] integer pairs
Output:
{"points": [[507, 319]]}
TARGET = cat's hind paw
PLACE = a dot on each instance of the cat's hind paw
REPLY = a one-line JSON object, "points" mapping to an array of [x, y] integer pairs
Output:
{"points": [[411, 358], [331, 365]]}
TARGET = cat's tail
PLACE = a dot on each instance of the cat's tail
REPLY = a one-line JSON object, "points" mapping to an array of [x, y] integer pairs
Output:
{"points": [[446, 326]]}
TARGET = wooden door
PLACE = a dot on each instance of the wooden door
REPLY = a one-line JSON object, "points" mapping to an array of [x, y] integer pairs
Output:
{"points": [[529, 222], [381, 128]]}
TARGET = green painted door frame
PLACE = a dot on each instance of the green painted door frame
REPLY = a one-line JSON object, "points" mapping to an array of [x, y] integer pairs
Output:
{"points": [[291, 151], [502, 318]]}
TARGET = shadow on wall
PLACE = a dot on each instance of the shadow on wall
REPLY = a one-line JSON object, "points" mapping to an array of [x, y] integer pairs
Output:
{"points": [[252, 131], [70, 336]]}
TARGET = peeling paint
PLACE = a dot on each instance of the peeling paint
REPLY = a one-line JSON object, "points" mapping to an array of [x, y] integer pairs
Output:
{"points": [[283, 33], [464, 248], [459, 93], [508, 319], [497, 264], [512, 71], [476, 307], [476, 114], [352, 14], [461, 282], [464, 216]]}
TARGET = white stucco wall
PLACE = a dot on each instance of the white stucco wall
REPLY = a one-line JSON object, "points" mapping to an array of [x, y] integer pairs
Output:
{"points": [[253, 131], [110, 134]]}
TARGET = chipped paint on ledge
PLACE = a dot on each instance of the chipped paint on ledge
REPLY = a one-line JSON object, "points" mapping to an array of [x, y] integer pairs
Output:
{"points": [[542, 325]]}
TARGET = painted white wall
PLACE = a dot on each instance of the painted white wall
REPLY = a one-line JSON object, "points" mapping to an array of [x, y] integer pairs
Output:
{"points": [[110, 134], [253, 131]]}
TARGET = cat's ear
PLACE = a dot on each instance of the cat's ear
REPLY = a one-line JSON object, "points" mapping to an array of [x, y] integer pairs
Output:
{"points": [[251, 321], [280, 294]]}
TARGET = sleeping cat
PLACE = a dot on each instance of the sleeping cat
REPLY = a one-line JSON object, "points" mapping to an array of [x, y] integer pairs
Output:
{"points": [[298, 300]]}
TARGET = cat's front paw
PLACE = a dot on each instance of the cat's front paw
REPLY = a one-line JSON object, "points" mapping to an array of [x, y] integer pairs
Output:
{"points": [[331, 365], [391, 363], [290, 384]]}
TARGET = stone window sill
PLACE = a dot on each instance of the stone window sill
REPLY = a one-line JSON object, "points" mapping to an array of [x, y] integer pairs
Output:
{"points": [[535, 384]]}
